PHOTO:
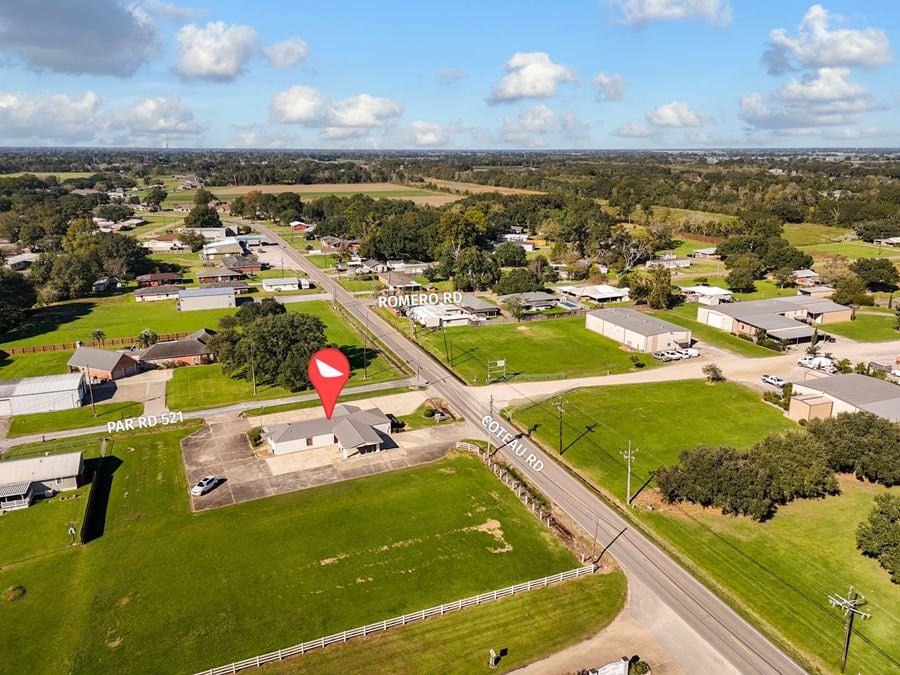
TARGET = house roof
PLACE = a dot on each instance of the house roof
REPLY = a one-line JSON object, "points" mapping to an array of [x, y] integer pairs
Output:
{"points": [[399, 279], [595, 292], [282, 281], [240, 261], [744, 310], [352, 433], [46, 384], [35, 469], [218, 272], [160, 276], [194, 344], [804, 274], [164, 289], [710, 291], [204, 292], [637, 322], [236, 285], [878, 397], [529, 297], [99, 359], [474, 303]]}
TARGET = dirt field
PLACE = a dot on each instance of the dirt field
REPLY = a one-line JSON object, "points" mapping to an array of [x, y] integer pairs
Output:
{"points": [[477, 189], [374, 190]]}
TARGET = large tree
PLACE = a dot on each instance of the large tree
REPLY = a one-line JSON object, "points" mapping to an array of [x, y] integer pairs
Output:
{"points": [[203, 215], [879, 274], [17, 295], [879, 535], [475, 270], [510, 254], [519, 280]]}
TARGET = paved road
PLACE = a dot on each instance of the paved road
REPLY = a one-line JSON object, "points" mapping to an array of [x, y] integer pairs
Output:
{"points": [[741, 646], [234, 409]]}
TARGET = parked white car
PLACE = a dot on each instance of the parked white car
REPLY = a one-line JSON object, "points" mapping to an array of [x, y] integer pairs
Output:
{"points": [[204, 485], [688, 353], [774, 380], [674, 355], [817, 363]]}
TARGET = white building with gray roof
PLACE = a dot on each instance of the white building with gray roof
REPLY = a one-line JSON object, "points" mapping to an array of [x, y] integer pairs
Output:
{"points": [[830, 396], [354, 431], [24, 480], [639, 331], [48, 393]]}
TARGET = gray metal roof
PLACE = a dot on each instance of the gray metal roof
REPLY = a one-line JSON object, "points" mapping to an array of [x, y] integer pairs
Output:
{"points": [[473, 302], [165, 289], [46, 384], [101, 359], [282, 281], [45, 467], [637, 322], [219, 272], [160, 276], [292, 431], [744, 310], [530, 297], [204, 292], [14, 489], [352, 433], [861, 391]]}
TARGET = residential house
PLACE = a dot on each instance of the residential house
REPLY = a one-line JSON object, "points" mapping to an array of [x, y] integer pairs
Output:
{"points": [[192, 299], [192, 350], [20, 262], [48, 393], [596, 292], [159, 279], [281, 284], [440, 316], [225, 247], [829, 396], [637, 330], [532, 301], [211, 233], [707, 295], [398, 282], [407, 266], [24, 480], [478, 307], [154, 293], [164, 243], [246, 264], [816, 291], [708, 253], [218, 274], [239, 287], [354, 431], [101, 365], [887, 241], [805, 277], [300, 226], [668, 261]]}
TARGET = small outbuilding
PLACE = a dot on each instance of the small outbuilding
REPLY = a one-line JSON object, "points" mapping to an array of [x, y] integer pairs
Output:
{"points": [[102, 365], [191, 299], [281, 284], [707, 295], [637, 330], [48, 393]]}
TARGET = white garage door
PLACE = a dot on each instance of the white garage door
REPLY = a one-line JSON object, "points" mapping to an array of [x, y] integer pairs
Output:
{"points": [[715, 320]]}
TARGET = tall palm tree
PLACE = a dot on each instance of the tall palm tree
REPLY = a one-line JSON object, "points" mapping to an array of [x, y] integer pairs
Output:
{"points": [[97, 335], [146, 338]]}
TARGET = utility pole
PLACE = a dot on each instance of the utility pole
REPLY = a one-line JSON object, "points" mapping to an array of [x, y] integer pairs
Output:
{"points": [[366, 345], [628, 455], [446, 348], [849, 606], [91, 391], [252, 369], [559, 407], [487, 431]]}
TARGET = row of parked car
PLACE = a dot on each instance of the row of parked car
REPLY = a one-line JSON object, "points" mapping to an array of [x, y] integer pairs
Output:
{"points": [[676, 354]]}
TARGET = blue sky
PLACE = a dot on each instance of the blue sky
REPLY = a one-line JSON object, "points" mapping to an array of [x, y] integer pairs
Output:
{"points": [[578, 74]]}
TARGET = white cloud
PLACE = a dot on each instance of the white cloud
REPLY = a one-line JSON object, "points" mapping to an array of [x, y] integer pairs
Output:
{"points": [[353, 116], [815, 45], [528, 128], [262, 136], [573, 128], [46, 118], [531, 75], [675, 114], [641, 12], [102, 37], [215, 52], [450, 75], [612, 87], [287, 53], [824, 99], [427, 134], [634, 130], [160, 115], [166, 10]]}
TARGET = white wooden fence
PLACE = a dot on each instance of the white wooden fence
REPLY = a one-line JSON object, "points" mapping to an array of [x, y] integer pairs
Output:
{"points": [[421, 615]]}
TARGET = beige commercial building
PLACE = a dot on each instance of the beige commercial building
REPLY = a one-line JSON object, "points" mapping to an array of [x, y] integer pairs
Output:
{"points": [[829, 396], [790, 318], [637, 330]]}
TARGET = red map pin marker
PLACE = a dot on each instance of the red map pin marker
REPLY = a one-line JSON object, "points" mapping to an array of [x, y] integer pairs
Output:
{"points": [[328, 371]]}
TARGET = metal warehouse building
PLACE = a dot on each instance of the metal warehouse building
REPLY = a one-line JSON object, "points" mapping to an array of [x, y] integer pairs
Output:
{"points": [[637, 330], [30, 395], [192, 299]]}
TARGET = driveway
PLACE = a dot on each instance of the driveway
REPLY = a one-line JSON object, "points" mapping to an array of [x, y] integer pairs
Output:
{"points": [[148, 388]]}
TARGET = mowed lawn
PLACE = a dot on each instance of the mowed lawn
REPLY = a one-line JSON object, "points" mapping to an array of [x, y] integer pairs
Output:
{"points": [[77, 418], [686, 316], [851, 249], [781, 572], [555, 617], [33, 365], [866, 328], [811, 234], [117, 316], [165, 590], [552, 349], [201, 387], [660, 420]]}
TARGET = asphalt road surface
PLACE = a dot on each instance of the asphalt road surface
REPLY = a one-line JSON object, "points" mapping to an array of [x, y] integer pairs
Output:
{"points": [[742, 647]]}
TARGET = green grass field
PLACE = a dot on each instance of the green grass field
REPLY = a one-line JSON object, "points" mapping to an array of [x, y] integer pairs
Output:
{"points": [[78, 418], [201, 387], [456, 643], [344, 398], [553, 349], [355, 285], [686, 315], [866, 328], [851, 249], [780, 571], [660, 419], [32, 365], [61, 175], [308, 195], [264, 574], [812, 234], [417, 419], [321, 261]]}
